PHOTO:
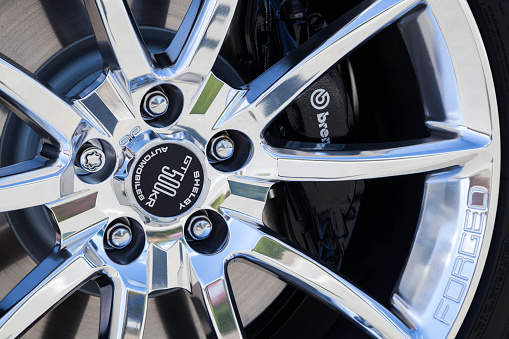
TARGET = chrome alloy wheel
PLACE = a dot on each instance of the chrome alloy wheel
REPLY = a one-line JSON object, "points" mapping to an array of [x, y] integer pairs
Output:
{"points": [[461, 155]]}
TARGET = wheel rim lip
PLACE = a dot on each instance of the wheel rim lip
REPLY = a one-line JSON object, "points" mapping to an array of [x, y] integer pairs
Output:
{"points": [[427, 319]]}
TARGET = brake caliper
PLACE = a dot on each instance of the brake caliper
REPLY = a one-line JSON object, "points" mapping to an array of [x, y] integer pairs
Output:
{"points": [[319, 216], [322, 113]]}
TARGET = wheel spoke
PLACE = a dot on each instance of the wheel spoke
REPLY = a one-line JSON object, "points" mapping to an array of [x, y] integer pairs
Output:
{"points": [[247, 199], [171, 54], [222, 310], [76, 215], [52, 280], [164, 272], [204, 40], [36, 105], [277, 87], [211, 274], [123, 310], [30, 183], [307, 274], [252, 243], [119, 39], [108, 105], [355, 162]]}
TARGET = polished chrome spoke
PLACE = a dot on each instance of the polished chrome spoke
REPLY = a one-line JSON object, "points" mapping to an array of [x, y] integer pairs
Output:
{"points": [[30, 183], [119, 39], [307, 274], [222, 310], [195, 58], [253, 242], [77, 216], [170, 55], [276, 88], [211, 274], [350, 162], [40, 108], [124, 309], [52, 280], [168, 265], [247, 199], [250, 242], [208, 106], [107, 106]]}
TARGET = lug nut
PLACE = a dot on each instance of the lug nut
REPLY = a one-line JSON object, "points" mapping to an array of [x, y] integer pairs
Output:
{"points": [[222, 148], [119, 236], [92, 159], [200, 227], [156, 104]]}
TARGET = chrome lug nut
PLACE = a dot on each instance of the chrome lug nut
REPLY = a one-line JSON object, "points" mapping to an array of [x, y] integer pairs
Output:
{"points": [[222, 148], [200, 227], [156, 104], [92, 159], [119, 236]]}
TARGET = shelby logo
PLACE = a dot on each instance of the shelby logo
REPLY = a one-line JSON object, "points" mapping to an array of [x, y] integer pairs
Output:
{"points": [[320, 100], [168, 180], [141, 166]]}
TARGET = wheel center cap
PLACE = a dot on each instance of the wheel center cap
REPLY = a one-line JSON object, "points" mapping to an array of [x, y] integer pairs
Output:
{"points": [[167, 180]]}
